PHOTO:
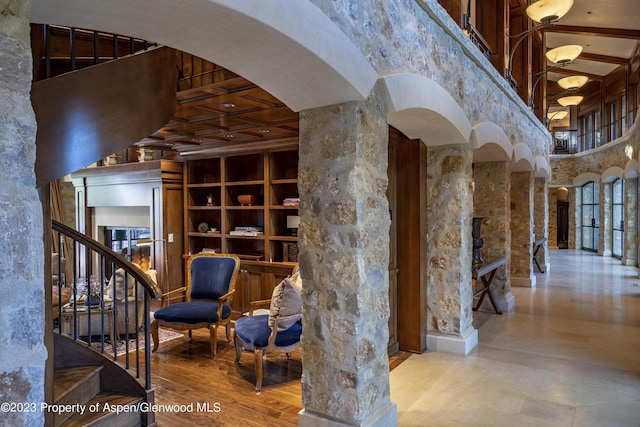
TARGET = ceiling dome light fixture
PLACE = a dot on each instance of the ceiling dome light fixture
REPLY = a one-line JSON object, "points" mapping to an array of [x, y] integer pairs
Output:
{"points": [[567, 101], [548, 11], [573, 82], [557, 115], [564, 54]]}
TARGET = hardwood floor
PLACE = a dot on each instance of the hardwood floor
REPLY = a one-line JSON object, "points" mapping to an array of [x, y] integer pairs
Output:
{"points": [[183, 373]]}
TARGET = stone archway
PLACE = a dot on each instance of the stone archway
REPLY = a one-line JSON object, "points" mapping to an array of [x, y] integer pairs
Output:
{"points": [[268, 43]]}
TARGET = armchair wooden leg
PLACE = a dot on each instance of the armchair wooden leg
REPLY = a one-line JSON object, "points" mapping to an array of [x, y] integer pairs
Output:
{"points": [[213, 334], [258, 356], [154, 335], [238, 348], [228, 330]]}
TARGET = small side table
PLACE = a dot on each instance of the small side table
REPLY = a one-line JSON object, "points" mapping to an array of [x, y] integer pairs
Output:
{"points": [[486, 274], [82, 320]]}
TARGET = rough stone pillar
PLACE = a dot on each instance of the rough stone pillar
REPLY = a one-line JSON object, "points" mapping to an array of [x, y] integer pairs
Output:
{"points": [[522, 229], [541, 220], [630, 247], [344, 257], [604, 208], [552, 243], [22, 350], [449, 246], [492, 200], [575, 212]]}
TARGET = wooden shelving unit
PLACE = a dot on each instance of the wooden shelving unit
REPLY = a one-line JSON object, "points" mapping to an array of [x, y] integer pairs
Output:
{"points": [[269, 176]]}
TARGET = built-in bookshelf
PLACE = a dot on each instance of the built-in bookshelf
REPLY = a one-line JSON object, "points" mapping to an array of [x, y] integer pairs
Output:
{"points": [[243, 204]]}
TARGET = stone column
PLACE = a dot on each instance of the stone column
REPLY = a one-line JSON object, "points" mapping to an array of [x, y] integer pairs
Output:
{"points": [[604, 208], [552, 243], [449, 246], [344, 257], [522, 229], [575, 212], [541, 221], [492, 200], [630, 247], [22, 350]]}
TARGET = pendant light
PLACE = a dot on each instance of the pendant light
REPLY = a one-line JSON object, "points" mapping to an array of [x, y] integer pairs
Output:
{"points": [[564, 54], [548, 11], [567, 101], [573, 82]]}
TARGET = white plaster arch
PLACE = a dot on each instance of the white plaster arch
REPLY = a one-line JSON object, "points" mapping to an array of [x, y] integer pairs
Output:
{"points": [[522, 159], [585, 177], [543, 170], [631, 169], [289, 48], [422, 109], [490, 143], [611, 174]]}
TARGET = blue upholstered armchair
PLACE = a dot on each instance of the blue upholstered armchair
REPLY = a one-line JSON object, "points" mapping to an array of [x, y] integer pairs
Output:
{"points": [[277, 332], [211, 280]]}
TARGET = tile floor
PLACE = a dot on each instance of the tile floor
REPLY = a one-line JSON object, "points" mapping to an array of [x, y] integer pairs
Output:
{"points": [[567, 355]]}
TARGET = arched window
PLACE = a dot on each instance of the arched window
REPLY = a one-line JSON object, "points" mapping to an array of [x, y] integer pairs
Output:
{"points": [[590, 217], [617, 219]]}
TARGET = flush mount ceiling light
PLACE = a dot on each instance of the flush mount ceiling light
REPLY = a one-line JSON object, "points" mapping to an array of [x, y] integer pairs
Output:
{"points": [[548, 11], [573, 82], [564, 54], [557, 115], [229, 105], [567, 101]]}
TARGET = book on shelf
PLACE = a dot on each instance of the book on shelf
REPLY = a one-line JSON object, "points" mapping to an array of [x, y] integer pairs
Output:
{"points": [[247, 231], [291, 201]]}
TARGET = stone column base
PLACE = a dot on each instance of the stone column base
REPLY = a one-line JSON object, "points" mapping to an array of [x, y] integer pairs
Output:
{"points": [[523, 282], [456, 344], [629, 262], [384, 417]]}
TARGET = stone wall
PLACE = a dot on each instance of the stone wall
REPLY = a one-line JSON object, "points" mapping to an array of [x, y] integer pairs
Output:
{"points": [[618, 153], [449, 240], [552, 243], [522, 229], [344, 258], [492, 201], [630, 248], [22, 350], [604, 238], [541, 219], [420, 37]]}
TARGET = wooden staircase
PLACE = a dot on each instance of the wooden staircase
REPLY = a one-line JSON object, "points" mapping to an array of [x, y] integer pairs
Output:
{"points": [[98, 391], [80, 388]]}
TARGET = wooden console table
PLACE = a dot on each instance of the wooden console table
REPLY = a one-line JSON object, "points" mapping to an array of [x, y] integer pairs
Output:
{"points": [[486, 274], [536, 247]]}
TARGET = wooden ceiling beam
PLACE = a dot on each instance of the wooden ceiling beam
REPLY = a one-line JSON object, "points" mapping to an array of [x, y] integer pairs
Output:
{"points": [[620, 33], [603, 58]]}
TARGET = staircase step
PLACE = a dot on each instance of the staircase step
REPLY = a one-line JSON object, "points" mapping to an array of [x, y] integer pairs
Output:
{"points": [[108, 417], [72, 385], [76, 385]]}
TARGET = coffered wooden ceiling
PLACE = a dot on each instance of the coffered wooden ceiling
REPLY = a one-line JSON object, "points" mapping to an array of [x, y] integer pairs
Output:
{"points": [[233, 115]]}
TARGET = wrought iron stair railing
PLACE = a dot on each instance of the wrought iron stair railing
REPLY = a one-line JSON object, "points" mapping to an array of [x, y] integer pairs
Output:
{"points": [[96, 324]]}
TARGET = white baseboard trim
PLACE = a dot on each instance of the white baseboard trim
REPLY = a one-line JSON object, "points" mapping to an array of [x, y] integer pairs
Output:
{"points": [[523, 282], [456, 344], [386, 416]]}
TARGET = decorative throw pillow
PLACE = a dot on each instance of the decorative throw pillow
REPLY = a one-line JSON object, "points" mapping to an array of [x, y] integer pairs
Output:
{"points": [[286, 301]]}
